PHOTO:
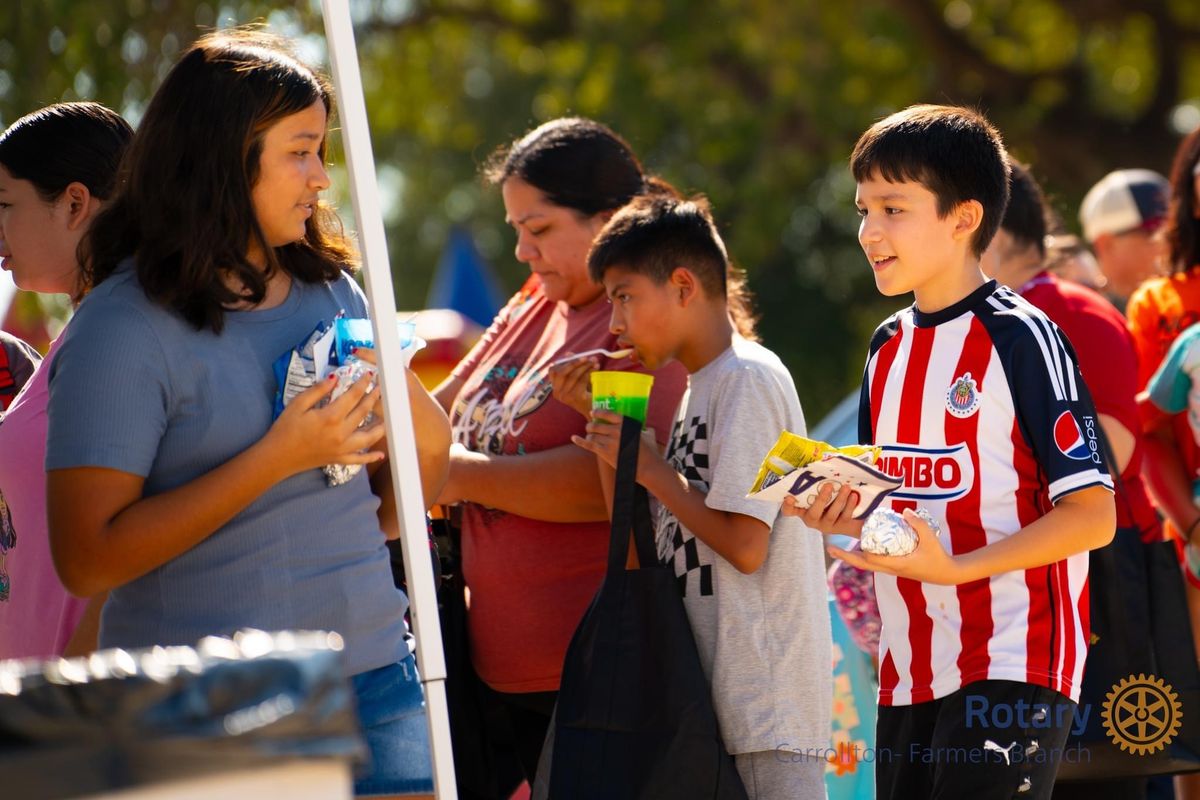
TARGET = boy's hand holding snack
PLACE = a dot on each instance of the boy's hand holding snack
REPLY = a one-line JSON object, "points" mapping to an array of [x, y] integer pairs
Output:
{"points": [[832, 510], [833, 513], [929, 562], [816, 480], [831, 489]]}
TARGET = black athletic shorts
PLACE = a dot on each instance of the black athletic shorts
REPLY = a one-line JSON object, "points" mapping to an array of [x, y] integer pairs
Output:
{"points": [[989, 740]]}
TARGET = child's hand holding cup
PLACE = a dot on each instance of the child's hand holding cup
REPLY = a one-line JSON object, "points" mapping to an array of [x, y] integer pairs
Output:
{"points": [[616, 394], [625, 393]]}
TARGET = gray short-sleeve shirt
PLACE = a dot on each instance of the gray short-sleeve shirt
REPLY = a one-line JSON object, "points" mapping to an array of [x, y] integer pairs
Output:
{"points": [[764, 638], [136, 388]]}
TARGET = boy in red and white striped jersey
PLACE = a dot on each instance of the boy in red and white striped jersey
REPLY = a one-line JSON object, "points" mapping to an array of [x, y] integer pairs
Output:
{"points": [[978, 404]]}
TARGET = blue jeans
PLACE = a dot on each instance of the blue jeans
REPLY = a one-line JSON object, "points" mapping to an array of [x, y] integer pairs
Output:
{"points": [[391, 709]]}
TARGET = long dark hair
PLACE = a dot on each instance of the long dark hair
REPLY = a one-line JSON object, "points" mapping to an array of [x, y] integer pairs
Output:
{"points": [[1182, 229], [581, 164], [183, 206]]}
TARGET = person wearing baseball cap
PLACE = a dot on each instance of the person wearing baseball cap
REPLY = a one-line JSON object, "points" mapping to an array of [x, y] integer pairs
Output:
{"points": [[1120, 215]]}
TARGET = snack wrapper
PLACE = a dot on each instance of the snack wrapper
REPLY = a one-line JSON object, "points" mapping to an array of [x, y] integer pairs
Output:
{"points": [[800, 467], [302, 366], [791, 451], [327, 350], [887, 533]]}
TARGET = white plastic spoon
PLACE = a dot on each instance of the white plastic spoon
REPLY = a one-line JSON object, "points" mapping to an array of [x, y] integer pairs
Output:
{"points": [[598, 352]]}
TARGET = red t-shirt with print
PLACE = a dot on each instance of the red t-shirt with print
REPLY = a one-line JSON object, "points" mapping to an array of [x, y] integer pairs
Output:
{"points": [[1109, 365], [530, 581]]}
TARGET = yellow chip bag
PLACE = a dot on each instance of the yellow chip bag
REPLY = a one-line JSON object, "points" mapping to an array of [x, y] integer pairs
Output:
{"points": [[791, 452]]}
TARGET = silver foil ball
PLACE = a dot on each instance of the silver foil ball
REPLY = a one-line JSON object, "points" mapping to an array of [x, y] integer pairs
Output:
{"points": [[885, 533], [924, 514]]}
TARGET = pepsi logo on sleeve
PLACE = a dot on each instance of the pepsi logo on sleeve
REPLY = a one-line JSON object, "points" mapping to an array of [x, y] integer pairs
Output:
{"points": [[1072, 441]]}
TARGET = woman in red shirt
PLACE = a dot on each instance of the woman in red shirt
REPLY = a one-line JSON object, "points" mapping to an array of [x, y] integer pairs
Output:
{"points": [[534, 525]]}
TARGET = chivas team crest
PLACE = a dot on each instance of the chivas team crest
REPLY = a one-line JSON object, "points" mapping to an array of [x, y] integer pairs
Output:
{"points": [[962, 398]]}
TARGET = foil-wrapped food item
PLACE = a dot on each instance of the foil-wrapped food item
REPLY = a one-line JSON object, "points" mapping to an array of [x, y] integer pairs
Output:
{"points": [[329, 351], [930, 520], [346, 375], [886, 533]]}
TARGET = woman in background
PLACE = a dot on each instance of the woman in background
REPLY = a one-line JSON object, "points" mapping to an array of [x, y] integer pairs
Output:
{"points": [[58, 167], [534, 527]]}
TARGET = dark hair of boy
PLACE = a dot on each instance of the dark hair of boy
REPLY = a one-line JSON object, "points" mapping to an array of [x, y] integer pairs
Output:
{"points": [[58, 145], [183, 206], [953, 152], [1025, 217], [1182, 227], [657, 233]]}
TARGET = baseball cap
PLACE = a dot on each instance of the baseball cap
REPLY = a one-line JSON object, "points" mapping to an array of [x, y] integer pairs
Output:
{"points": [[1123, 201]]}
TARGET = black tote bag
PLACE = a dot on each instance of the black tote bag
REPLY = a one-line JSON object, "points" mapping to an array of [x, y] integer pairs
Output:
{"points": [[635, 716], [1142, 655]]}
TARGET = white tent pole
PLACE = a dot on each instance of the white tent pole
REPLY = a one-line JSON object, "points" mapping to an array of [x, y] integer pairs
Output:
{"points": [[402, 451]]}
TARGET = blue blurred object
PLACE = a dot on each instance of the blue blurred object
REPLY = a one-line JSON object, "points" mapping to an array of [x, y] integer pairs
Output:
{"points": [[465, 282], [350, 333], [840, 426], [850, 774], [851, 771]]}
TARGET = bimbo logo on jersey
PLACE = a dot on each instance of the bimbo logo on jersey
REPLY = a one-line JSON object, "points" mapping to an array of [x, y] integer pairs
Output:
{"points": [[929, 473], [1073, 442]]}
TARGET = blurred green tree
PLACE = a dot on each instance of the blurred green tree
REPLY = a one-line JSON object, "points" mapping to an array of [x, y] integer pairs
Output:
{"points": [[755, 103]]}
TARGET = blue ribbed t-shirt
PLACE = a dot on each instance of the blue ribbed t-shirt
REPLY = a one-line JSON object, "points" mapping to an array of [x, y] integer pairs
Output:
{"points": [[136, 388]]}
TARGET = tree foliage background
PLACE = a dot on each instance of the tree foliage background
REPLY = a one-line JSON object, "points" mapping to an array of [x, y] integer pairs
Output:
{"points": [[755, 103]]}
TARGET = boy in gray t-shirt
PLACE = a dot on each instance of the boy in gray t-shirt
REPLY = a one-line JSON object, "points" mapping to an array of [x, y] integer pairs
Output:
{"points": [[753, 583]]}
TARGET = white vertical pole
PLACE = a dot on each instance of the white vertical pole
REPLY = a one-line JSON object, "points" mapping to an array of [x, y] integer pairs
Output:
{"points": [[406, 482]]}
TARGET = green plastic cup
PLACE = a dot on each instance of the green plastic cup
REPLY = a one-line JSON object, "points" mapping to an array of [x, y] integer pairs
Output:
{"points": [[626, 393]]}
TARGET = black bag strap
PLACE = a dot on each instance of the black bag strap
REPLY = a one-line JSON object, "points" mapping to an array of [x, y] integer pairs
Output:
{"points": [[631, 506], [1103, 559]]}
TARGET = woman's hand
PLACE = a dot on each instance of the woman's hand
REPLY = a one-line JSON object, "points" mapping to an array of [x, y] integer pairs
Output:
{"points": [[454, 489], [572, 384], [929, 563], [307, 437], [829, 512]]}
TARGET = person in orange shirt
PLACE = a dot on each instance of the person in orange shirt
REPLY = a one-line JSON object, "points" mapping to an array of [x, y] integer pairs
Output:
{"points": [[1158, 312]]}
